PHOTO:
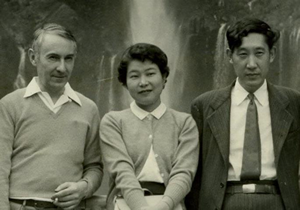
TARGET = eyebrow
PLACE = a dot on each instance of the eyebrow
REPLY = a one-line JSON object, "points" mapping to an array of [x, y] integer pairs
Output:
{"points": [[151, 68], [56, 54], [148, 69], [256, 48], [72, 55]]}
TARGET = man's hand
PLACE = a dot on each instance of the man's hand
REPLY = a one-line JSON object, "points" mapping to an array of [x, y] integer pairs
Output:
{"points": [[69, 194]]}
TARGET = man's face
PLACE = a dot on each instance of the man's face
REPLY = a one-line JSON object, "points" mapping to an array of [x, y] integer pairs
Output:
{"points": [[54, 62], [251, 61]]}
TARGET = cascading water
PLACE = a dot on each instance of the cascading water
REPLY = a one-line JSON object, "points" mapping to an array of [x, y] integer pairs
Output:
{"points": [[99, 79], [222, 73], [112, 88], [110, 94], [152, 22], [280, 55], [149, 22], [294, 63]]}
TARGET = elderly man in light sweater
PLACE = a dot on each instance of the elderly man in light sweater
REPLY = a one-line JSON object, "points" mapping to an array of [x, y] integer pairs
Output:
{"points": [[49, 142]]}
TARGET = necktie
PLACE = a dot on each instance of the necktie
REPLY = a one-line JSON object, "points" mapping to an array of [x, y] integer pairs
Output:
{"points": [[251, 165]]}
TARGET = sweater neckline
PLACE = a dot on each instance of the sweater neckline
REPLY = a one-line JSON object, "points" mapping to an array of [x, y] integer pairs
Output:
{"points": [[50, 112]]}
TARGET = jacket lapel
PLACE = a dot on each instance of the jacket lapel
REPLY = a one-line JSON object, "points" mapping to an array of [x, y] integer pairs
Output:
{"points": [[219, 121], [281, 119]]}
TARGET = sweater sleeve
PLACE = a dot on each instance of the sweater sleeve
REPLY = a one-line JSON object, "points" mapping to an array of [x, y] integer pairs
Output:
{"points": [[184, 164], [118, 162], [6, 144], [93, 167]]}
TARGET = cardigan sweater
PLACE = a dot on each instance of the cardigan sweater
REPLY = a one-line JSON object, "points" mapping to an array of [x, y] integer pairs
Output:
{"points": [[125, 145], [39, 150]]}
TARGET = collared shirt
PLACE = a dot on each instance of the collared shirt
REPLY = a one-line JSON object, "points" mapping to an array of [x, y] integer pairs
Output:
{"points": [[68, 95], [239, 105], [150, 171]]}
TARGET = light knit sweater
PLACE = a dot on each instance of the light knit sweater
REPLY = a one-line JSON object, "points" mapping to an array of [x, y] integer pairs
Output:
{"points": [[125, 146], [40, 150]]}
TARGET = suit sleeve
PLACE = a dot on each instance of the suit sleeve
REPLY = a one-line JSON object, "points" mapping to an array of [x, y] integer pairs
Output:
{"points": [[6, 145], [192, 199]]}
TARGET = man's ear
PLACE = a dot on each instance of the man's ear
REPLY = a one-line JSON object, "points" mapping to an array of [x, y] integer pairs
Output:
{"points": [[32, 56], [273, 54], [229, 55]]}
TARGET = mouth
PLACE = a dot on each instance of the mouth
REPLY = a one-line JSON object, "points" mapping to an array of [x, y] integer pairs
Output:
{"points": [[59, 76], [252, 74], [144, 91]]}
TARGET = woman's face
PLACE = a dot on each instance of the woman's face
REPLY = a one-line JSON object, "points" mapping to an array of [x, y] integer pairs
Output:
{"points": [[145, 84]]}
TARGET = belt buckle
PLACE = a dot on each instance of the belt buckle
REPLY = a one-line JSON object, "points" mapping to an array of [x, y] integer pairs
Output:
{"points": [[248, 188]]}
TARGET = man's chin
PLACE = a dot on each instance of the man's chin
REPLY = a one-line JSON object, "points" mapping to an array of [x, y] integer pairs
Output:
{"points": [[58, 87], [253, 85]]}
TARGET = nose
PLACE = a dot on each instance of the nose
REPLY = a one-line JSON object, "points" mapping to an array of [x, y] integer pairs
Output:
{"points": [[143, 81], [251, 64], [61, 67]]}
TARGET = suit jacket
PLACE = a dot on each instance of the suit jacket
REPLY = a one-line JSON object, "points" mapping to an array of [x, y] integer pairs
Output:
{"points": [[211, 112]]}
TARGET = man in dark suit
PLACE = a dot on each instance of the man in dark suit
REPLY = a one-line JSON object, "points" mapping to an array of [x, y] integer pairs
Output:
{"points": [[249, 132]]}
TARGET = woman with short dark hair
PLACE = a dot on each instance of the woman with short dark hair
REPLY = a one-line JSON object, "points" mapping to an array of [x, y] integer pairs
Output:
{"points": [[148, 145]]}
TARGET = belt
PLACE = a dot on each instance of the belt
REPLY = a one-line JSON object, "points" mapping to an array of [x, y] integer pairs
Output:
{"points": [[41, 204], [34, 203], [153, 188], [260, 187]]}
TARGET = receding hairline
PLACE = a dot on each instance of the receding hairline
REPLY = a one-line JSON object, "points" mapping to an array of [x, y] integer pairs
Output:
{"points": [[52, 29], [37, 46]]}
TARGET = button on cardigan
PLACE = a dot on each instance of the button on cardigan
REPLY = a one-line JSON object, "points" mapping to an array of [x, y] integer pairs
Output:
{"points": [[125, 146]]}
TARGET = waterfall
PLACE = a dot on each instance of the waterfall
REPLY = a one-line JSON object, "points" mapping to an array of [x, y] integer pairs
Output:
{"points": [[221, 3], [221, 73], [152, 22], [20, 80], [294, 51], [250, 4], [105, 92], [280, 55], [99, 79], [149, 22], [111, 97]]}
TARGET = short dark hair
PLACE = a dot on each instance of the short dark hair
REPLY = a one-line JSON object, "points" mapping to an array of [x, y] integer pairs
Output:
{"points": [[142, 52], [242, 28], [51, 28]]}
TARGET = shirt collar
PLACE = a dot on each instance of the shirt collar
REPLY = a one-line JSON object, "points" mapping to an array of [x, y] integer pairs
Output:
{"points": [[141, 114], [262, 95], [34, 88], [239, 94]]}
